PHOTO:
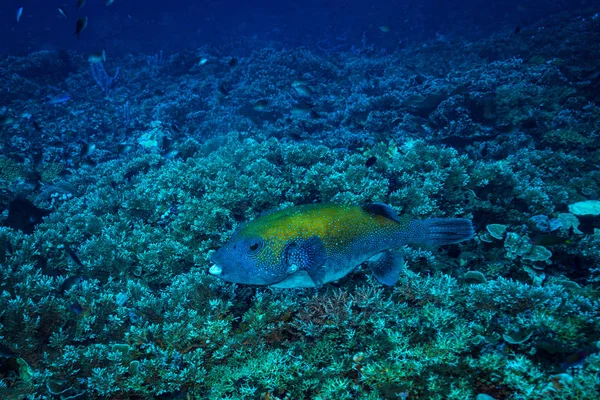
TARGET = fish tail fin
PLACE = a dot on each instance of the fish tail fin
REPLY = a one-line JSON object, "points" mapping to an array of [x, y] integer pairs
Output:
{"points": [[440, 231]]}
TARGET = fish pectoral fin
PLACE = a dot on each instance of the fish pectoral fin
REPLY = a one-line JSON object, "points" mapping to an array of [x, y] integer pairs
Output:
{"points": [[308, 255], [387, 267]]}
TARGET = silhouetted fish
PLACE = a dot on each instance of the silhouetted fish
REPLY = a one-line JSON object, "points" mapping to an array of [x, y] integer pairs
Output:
{"points": [[371, 161], [80, 25], [69, 283], [6, 352], [24, 215], [76, 308], [574, 360]]}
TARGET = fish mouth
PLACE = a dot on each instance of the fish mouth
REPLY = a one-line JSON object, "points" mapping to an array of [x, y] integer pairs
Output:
{"points": [[215, 270]]}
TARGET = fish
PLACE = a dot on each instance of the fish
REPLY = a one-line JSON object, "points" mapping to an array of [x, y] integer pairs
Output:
{"points": [[5, 249], [311, 245], [574, 360], [97, 57], [24, 215], [304, 90], [223, 90], [370, 161], [170, 153], [302, 108], [233, 62], [549, 240], [19, 14], [69, 283], [384, 28], [76, 308], [203, 61], [260, 105], [37, 158], [86, 150], [61, 98], [7, 120], [174, 129], [517, 30], [73, 256], [62, 10], [124, 148], [302, 82], [5, 352], [36, 125], [80, 3], [109, 2], [81, 24]]}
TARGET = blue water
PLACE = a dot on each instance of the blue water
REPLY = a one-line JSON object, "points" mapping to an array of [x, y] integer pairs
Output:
{"points": [[137, 25]]}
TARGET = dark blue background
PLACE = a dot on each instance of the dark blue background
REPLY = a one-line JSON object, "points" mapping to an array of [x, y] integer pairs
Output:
{"points": [[133, 26]]}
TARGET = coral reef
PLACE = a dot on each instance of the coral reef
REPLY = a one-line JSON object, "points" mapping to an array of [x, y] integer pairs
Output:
{"points": [[109, 297]]}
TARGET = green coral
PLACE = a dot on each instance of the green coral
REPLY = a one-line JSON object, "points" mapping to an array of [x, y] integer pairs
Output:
{"points": [[51, 171], [10, 170], [567, 139]]}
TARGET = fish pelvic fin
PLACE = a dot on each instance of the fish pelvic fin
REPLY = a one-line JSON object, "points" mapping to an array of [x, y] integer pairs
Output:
{"points": [[387, 267]]}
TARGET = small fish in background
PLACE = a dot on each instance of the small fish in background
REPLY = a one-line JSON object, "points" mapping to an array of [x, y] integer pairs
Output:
{"points": [[133, 316], [302, 82], [223, 90], [301, 109], [574, 360], [304, 91], [549, 240], [5, 249], [168, 149], [80, 25], [80, 3], [73, 256], [6, 120], [5, 352], [68, 284], [62, 10], [260, 105], [124, 148], [61, 98], [76, 308], [36, 125], [314, 115], [37, 158], [233, 62], [24, 215], [19, 14], [370, 161], [301, 86], [97, 57], [109, 2], [174, 129], [86, 150], [384, 28], [170, 153], [517, 30], [203, 61]]}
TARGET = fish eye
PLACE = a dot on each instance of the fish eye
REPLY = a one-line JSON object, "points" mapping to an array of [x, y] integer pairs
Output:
{"points": [[255, 245]]}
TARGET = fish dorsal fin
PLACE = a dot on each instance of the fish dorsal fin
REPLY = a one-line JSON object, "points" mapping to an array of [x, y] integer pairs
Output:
{"points": [[381, 209], [308, 255]]}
